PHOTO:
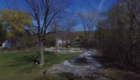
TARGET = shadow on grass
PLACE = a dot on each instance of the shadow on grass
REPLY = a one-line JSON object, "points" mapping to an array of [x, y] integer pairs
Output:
{"points": [[24, 63], [69, 76], [57, 76], [27, 61]]}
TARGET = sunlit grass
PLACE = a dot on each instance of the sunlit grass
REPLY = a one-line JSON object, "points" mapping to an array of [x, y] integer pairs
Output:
{"points": [[14, 66]]}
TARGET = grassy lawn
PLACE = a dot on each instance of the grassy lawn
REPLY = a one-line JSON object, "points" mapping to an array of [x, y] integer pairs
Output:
{"points": [[14, 66], [112, 73]]}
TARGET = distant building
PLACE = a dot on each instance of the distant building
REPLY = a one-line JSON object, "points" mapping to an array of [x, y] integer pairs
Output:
{"points": [[78, 41], [6, 44], [61, 42]]}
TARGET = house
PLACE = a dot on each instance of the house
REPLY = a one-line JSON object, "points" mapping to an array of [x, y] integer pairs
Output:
{"points": [[6, 44], [61, 42], [78, 41]]}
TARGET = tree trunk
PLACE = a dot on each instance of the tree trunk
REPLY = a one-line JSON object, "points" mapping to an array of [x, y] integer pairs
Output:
{"points": [[41, 53], [56, 53]]}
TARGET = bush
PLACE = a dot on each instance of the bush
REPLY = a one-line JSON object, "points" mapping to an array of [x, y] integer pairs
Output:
{"points": [[49, 43]]}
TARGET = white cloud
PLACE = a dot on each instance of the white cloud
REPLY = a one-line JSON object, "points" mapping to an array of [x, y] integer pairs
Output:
{"points": [[101, 4]]}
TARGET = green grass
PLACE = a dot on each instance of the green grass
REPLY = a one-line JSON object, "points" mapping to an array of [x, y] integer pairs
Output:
{"points": [[14, 66], [113, 74]]}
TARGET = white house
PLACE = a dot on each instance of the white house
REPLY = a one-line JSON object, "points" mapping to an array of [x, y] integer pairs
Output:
{"points": [[60, 42], [6, 44]]}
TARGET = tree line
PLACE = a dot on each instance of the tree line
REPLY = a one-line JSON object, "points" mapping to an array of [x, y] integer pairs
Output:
{"points": [[118, 32]]}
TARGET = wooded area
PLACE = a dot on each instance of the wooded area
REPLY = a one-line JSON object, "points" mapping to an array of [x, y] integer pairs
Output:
{"points": [[119, 30]]}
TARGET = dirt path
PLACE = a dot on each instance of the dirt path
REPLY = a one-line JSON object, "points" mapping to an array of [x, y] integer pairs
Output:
{"points": [[97, 73], [109, 71]]}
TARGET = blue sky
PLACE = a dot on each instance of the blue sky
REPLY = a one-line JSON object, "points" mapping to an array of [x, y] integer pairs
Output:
{"points": [[95, 5], [10, 4], [91, 5], [77, 5]]}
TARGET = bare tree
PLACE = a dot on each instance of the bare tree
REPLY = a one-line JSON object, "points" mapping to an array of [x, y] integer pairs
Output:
{"points": [[119, 32], [133, 13], [43, 12], [70, 23], [56, 28], [88, 20]]}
